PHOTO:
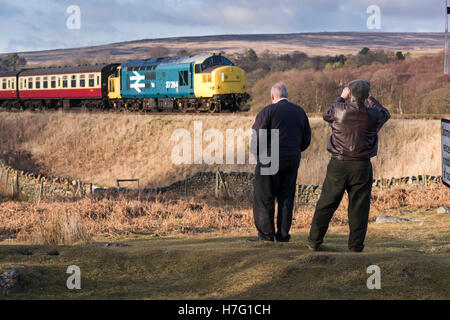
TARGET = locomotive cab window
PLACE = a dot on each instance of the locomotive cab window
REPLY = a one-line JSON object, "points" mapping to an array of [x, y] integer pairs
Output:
{"points": [[183, 79], [213, 61]]}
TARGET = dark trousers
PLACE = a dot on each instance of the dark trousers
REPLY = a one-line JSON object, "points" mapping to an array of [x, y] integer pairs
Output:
{"points": [[355, 177], [281, 187]]}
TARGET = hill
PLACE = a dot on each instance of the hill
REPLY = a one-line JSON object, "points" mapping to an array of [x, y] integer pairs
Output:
{"points": [[322, 43]]}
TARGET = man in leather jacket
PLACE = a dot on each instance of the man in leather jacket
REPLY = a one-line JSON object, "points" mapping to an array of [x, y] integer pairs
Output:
{"points": [[354, 140]]}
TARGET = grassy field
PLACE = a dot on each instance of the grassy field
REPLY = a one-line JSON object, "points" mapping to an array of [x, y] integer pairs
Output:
{"points": [[101, 148], [186, 248], [413, 258]]}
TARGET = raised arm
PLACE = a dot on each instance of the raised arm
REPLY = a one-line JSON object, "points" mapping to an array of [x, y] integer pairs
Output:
{"points": [[384, 114], [328, 115]]}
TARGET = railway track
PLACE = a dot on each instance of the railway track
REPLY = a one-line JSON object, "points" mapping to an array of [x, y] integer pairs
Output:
{"points": [[411, 116]]}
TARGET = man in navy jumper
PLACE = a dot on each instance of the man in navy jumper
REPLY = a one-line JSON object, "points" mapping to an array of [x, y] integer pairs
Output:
{"points": [[294, 137]]}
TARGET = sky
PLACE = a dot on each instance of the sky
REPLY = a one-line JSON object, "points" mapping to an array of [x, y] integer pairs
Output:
{"points": [[31, 25]]}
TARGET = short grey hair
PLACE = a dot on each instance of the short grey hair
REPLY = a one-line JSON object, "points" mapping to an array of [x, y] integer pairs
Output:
{"points": [[280, 89]]}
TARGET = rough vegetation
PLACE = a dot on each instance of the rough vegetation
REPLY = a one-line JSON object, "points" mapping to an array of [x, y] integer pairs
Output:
{"points": [[81, 220], [402, 85]]}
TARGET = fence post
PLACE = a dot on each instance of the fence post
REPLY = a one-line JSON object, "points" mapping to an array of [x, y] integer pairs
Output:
{"points": [[78, 192], [16, 185], [41, 190], [216, 190], [185, 184], [295, 197], [6, 181]]}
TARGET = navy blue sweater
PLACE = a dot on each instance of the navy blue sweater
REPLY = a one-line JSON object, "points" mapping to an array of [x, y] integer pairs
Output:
{"points": [[293, 125]]}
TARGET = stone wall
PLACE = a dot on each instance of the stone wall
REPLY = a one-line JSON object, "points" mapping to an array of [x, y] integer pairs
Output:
{"points": [[232, 185], [240, 184], [26, 185]]}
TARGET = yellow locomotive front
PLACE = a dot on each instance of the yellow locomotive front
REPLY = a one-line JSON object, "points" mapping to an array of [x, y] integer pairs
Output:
{"points": [[220, 84]]}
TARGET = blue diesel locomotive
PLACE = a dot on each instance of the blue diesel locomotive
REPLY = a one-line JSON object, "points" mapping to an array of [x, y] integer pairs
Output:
{"points": [[198, 83]]}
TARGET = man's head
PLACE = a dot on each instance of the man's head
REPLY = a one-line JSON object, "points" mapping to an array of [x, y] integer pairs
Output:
{"points": [[359, 90], [279, 90]]}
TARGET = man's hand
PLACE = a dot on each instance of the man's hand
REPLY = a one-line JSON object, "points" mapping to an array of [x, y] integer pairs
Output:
{"points": [[346, 93]]}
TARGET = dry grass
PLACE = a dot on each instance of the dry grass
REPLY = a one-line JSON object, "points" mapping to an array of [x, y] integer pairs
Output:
{"points": [[67, 222], [100, 148]]}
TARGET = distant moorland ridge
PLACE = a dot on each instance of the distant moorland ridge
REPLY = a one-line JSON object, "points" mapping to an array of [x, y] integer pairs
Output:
{"points": [[321, 43]]}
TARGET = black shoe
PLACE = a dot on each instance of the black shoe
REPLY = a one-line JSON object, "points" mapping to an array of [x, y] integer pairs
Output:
{"points": [[312, 247], [258, 239], [279, 239]]}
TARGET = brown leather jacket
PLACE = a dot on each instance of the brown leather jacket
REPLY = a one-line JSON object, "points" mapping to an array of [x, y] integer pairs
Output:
{"points": [[355, 128]]}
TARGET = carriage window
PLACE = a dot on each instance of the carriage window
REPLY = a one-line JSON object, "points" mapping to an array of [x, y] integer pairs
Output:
{"points": [[82, 81], [38, 83], [9, 84], [91, 80], [13, 85], [53, 82], [183, 78], [73, 81], [98, 80], [4, 84], [45, 83], [30, 83], [65, 82]]}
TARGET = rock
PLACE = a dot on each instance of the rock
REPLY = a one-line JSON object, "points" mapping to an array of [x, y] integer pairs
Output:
{"points": [[116, 244], [384, 219], [53, 253], [9, 281], [443, 210]]}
